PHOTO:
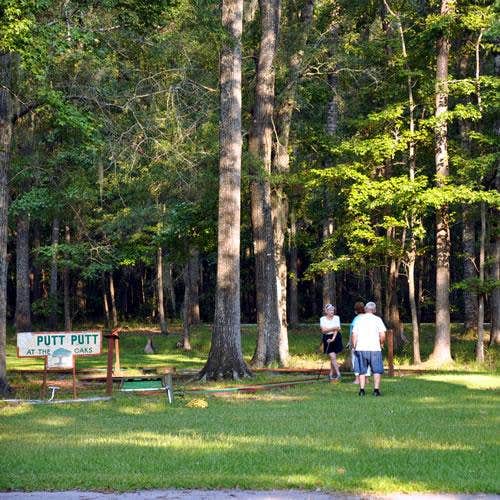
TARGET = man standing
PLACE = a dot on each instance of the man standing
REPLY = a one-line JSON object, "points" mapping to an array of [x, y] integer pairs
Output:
{"points": [[368, 337]]}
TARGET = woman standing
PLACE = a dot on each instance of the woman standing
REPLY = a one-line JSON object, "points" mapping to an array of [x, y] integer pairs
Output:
{"points": [[332, 339]]}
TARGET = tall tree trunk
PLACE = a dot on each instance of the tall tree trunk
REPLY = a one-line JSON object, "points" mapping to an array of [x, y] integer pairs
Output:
{"points": [[495, 243], [495, 295], [105, 301], [8, 67], [260, 149], [171, 288], [142, 289], [81, 299], [35, 269], [293, 297], [23, 306], [413, 221], [281, 165], [250, 9], [392, 310], [114, 313], [194, 286], [376, 280], [332, 122], [279, 216], [225, 359], [23, 303], [187, 307], [329, 286], [394, 319], [442, 343], [482, 240], [420, 289], [124, 292], [53, 275], [480, 321], [169, 278], [413, 307], [159, 291], [471, 303], [66, 285], [313, 285]]}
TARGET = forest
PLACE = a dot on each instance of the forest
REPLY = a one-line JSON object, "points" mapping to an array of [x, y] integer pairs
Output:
{"points": [[248, 162]]}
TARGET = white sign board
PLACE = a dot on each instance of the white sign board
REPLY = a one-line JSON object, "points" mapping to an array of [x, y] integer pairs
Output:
{"points": [[60, 348]]}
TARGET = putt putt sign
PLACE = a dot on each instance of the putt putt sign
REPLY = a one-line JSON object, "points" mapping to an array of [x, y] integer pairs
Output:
{"points": [[60, 348]]}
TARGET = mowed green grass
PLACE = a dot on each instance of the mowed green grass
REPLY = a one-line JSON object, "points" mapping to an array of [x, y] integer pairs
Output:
{"points": [[432, 433], [437, 432]]}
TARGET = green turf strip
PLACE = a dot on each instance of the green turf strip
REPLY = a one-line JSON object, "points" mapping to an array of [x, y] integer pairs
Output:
{"points": [[141, 385]]}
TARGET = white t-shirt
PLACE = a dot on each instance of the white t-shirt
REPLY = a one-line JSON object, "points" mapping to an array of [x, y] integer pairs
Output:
{"points": [[325, 322], [368, 328]]}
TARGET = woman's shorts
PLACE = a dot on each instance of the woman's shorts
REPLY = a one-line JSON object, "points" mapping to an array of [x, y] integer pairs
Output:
{"points": [[334, 346], [372, 359]]}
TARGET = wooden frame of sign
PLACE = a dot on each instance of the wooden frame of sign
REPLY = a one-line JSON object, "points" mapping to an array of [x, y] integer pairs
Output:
{"points": [[80, 343], [47, 369]]}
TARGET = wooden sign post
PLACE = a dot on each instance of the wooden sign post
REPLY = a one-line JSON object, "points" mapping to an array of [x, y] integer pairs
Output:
{"points": [[59, 349], [113, 345], [390, 352]]}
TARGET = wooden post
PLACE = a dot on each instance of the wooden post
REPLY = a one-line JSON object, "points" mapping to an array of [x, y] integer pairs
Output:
{"points": [[74, 378], [117, 353], [109, 375], [390, 352], [113, 341], [44, 383]]}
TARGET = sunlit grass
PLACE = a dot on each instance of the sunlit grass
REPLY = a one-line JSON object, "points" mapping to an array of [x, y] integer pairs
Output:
{"points": [[432, 433], [471, 381]]}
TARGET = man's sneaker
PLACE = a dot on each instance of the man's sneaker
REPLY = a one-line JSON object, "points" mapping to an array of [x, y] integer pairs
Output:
{"points": [[336, 379], [361, 392], [376, 392]]}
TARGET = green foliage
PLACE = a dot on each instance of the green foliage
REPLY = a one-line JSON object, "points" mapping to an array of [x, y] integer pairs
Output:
{"points": [[33, 202], [475, 285], [17, 18], [46, 306]]}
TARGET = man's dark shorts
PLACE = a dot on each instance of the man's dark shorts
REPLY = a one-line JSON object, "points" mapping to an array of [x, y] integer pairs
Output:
{"points": [[369, 358]]}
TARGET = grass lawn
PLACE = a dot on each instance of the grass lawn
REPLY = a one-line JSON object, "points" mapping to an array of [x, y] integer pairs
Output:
{"points": [[427, 433], [437, 432]]}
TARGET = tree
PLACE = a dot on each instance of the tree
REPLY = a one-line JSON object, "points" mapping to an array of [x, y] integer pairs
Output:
{"points": [[23, 306], [160, 289], [260, 148], [225, 359], [293, 46], [413, 221], [8, 66], [442, 351]]}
